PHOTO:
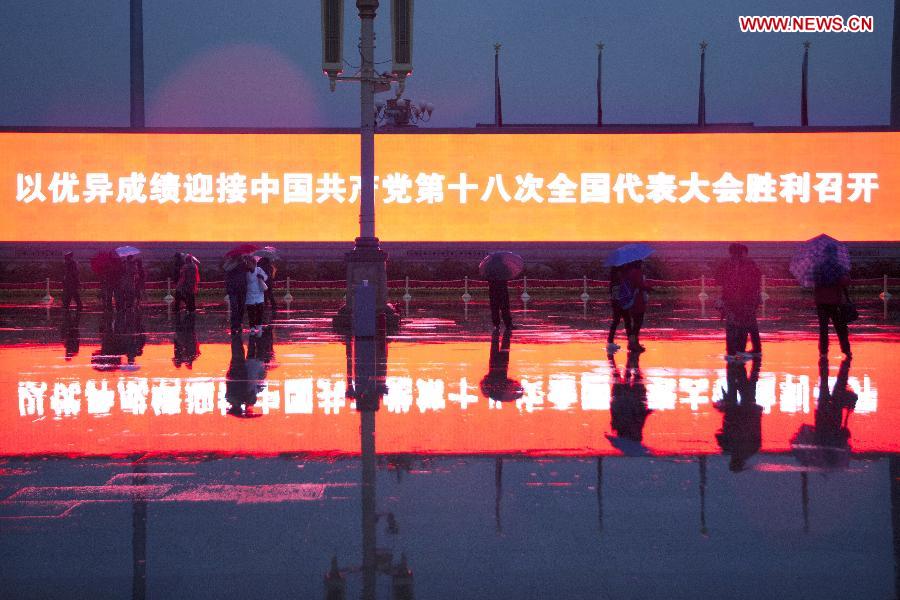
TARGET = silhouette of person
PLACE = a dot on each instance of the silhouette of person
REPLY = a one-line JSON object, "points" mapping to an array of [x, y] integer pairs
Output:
{"points": [[498, 294], [628, 407], [830, 292], [741, 433], [71, 283], [497, 385], [741, 282], [827, 443], [187, 349], [240, 389]]}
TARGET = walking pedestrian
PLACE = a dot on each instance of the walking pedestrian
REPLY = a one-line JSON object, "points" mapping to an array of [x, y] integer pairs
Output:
{"points": [[635, 291], [256, 289], [71, 283], [236, 288], [741, 282], [832, 281], [498, 292], [188, 285], [618, 313]]}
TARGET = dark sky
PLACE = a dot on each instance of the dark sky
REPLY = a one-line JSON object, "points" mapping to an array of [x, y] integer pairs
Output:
{"points": [[257, 62]]}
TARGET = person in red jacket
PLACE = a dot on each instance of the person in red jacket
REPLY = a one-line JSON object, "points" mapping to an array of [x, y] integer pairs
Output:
{"points": [[830, 293], [741, 282]]}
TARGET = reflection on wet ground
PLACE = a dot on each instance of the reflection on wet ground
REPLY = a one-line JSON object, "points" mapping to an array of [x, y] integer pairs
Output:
{"points": [[523, 466]]}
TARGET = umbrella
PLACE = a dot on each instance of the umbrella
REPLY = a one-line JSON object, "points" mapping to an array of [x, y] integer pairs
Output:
{"points": [[812, 254], [269, 252], [124, 251], [501, 266], [501, 388], [628, 253], [241, 250], [809, 449]]}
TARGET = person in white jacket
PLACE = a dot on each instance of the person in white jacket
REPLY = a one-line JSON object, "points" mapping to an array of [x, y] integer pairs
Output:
{"points": [[256, 290]]}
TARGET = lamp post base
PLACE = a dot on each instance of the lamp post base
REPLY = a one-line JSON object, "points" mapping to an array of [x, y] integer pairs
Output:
{"points": [[367, 262]]}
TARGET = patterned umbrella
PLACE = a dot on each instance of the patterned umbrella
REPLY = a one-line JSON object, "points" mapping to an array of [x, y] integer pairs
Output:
{"points": [[628, 253], [815, 253], [270, 252], [501, 266]]}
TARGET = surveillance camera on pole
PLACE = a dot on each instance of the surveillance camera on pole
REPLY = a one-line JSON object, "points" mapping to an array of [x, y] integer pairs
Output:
{"points": [[401, 37], [332, 39]]}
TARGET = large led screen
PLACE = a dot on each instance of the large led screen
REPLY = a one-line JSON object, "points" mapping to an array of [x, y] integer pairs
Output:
{"points": [[451, 186]]}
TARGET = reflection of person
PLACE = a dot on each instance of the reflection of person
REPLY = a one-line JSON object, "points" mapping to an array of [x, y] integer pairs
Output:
{"points": [[256, 288], [618, 314], [71, 283], [830, 291], [741, 433], [497, 385], [628, 407], [70, 334], [741, 281], [188, 285], [240, 391], [236, 288], [268, 266], [633, 278], [498, 293], [187, 349], [834, 407]]}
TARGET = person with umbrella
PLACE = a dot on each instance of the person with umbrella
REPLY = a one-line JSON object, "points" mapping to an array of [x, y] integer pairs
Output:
{"points": [[631, 291], [741, 282], [823, 263], [498, 268], [188, 285], [237, 264], [255, 299], [827, 443], [618, 314], [71, 283]]}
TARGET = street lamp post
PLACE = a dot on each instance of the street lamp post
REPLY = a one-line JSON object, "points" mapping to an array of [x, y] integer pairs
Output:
{"points": [[366, 263]]}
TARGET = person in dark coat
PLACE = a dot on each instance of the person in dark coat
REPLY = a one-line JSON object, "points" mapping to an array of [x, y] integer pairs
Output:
{"points": [[71, 283], [618, 313], [633, 279], [188, 285], [741, 433], [129, 282], [830, 292], [236, 288], [498, 292], [268, 267], [741, 282]]}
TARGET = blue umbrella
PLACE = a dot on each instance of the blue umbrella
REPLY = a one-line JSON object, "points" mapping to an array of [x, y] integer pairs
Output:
{"points": [[628, 253], [124, 251], [822, 250]]}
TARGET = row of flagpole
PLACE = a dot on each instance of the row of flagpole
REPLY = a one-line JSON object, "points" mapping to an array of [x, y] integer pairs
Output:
{"points": [[701, 101]]}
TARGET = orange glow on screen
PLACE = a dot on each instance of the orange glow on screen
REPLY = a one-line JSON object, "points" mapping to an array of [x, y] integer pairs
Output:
{"points": [[565, 409], [516, 187]]}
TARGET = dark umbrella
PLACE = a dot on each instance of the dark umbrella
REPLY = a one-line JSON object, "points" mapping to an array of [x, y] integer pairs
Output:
{"points": [[815, 252], [628, 253], [240, 250], [501, 266]]}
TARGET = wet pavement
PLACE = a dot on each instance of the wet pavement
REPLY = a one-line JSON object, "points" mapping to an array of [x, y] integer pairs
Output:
{"points": [[527, 466]]}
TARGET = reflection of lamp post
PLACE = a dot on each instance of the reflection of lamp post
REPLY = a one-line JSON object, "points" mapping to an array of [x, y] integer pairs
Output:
{"points": [[366, 371]]}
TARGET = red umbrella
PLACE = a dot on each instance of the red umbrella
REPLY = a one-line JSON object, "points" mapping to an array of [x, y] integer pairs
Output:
{"points": [[241, 250]]}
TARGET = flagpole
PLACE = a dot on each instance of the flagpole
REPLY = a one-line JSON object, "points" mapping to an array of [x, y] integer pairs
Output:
{"points": [[498, 106], [701, 104], [599, 84], [804, 87], [137, 64], [895, 69]]}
